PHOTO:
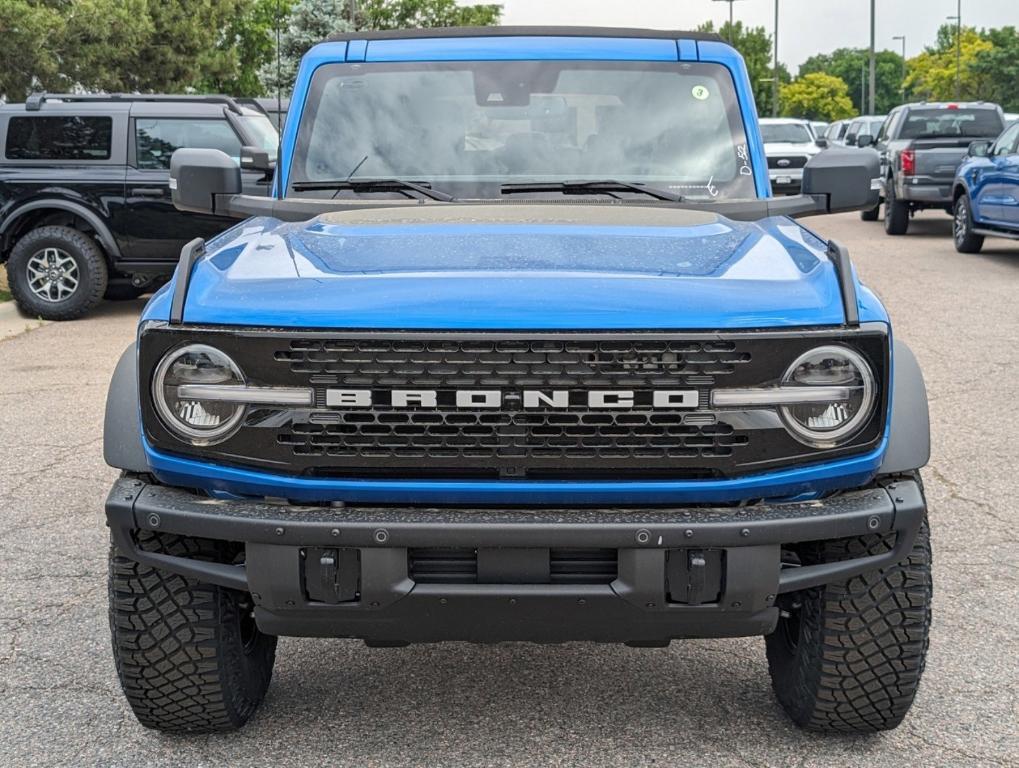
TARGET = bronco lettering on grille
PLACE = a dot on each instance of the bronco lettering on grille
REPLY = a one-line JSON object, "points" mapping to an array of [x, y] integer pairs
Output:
{"points": [[663, 399]]}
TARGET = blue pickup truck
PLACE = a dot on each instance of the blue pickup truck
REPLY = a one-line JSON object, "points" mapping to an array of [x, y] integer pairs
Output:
{"points": [[521, 348]]}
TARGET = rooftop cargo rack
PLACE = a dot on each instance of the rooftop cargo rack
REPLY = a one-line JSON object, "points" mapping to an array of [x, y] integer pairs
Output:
{"points": [[34, 102]]}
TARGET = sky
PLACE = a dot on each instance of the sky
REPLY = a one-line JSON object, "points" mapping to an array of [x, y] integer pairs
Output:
{"points": [[806, 27]]}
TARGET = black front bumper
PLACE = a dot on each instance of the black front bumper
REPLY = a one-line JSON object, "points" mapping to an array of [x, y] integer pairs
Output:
{"points": [[344, 571]]}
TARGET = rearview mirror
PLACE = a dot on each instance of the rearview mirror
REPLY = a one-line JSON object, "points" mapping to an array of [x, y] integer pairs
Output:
{"points": [[256, 159], [864, 140], [979, 148], [846, 179], [202, 180]]}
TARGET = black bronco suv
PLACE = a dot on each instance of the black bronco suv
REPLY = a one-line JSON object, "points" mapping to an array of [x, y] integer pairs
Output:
{"points": [[85, 208]]}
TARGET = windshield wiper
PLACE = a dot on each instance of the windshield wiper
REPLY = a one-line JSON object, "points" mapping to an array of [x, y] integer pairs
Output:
{"points": [[374, 185], [603, 187]]}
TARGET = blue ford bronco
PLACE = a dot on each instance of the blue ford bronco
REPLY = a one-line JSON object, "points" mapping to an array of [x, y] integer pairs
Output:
{"points": [[520, 348]]}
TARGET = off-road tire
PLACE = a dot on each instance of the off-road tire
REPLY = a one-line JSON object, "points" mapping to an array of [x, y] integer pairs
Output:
{"points": [[88, 257], [896, 212], [962, 228], [188, 655], [871, 214], [850, 656]]}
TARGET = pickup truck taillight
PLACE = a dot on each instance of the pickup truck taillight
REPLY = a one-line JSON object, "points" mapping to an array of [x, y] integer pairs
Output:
{"points": [[907, 162]]}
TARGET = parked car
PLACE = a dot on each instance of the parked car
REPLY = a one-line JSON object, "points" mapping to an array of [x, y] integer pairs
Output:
{"points": [[921, 146], [866, 124], [85, 208], [986, 192], [420, 399], [788, 145], [835, 134]]}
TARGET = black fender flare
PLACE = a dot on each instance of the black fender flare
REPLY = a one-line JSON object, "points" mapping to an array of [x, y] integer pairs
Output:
{"points": [[94, 220], [122, 434], [909, 443]]}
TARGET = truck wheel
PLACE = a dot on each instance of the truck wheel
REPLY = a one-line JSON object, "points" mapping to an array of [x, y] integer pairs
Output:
{"points": [[871, 214], [849, 656], [896, 213], [56, 273], [189, 656], [962, 228]]}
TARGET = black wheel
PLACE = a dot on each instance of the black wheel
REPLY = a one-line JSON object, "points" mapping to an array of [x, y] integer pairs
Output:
{"points": [[56, 273], [962, 228], [189, 656], [896, 212], [849, 656], [122, 292], [871, 214]]}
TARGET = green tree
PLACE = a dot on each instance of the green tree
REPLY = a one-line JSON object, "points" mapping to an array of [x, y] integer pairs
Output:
{"points": [[932, 74], [998, 68], [754, 45], [100, 43], [817, 96], [311, 21], [402, 14], [852, 66], [251, 35], [28, 60], [307, 23]]}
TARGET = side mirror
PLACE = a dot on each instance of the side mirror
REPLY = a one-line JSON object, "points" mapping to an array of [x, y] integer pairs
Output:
{"points": [[846, 179], [822, 142], [201, 180], [256, 159], [979, 148], [864, 140], [850, 139]]}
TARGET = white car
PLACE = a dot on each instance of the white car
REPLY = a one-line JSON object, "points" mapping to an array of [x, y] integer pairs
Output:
{"points": [[788, 145]]}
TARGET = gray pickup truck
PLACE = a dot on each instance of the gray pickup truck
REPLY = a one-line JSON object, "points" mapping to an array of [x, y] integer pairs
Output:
{"points": [[921, 145]]}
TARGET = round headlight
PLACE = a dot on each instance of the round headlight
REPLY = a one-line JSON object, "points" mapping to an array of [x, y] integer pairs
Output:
{"points": [[827, 423], [199, 421]]}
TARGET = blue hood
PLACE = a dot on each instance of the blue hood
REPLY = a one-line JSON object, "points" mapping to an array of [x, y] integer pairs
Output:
{"points": [[548, 267]]}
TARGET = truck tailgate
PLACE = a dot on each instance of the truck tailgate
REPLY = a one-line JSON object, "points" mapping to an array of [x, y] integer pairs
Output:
{"points": [[938, 158]]}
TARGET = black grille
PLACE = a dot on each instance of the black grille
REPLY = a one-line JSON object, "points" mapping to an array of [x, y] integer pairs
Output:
{"points": [[789, 161], [511, 434], [573, 440], [539, 363]]}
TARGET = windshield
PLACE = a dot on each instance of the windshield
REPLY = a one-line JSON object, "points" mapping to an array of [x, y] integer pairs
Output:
{"points": [[263, 132], [469, 127], [785, 133], [933, 123]]}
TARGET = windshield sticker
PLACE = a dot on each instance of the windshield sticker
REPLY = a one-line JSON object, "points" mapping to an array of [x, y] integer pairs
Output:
{"points": [[744, 159], [700, 92]]}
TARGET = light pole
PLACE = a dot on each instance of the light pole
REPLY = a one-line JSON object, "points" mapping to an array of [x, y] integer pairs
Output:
{"points": [[873, 61], [903, 73], [731, 29], [958, 48], [774, 85]]}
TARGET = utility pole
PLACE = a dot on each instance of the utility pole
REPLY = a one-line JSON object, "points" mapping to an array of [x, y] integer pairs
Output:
{"points": [[863, 87], [732, 29], [774, 85], [903, 73], [873, 61], [353, 13], [958, 48]]}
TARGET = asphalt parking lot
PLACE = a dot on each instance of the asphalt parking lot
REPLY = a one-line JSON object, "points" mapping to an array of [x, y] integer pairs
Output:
{"points": [[696, 703]]}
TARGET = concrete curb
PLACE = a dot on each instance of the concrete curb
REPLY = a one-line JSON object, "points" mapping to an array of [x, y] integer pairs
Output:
{"points": [[13, 322]]}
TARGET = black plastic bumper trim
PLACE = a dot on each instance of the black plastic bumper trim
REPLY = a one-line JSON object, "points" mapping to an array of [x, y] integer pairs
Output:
{"points": [[894, 506]]}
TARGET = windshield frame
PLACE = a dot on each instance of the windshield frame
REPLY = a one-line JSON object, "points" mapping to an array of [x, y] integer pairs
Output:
{"points": [[298, 135]]}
